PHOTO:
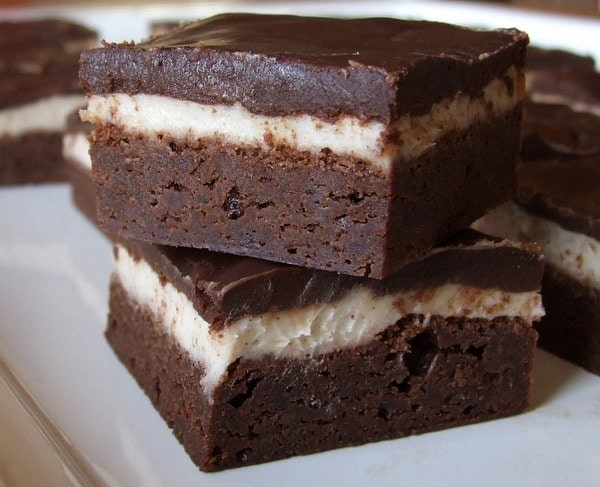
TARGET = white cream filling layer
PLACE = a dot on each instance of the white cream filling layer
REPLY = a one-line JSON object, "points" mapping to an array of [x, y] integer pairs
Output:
{"points": [[76, 149], [155, 116], [309, 331], [49, 114], [574, 254]]}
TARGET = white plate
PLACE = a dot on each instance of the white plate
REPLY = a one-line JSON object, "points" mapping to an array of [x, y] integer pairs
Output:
{"points": [[70, 414]]}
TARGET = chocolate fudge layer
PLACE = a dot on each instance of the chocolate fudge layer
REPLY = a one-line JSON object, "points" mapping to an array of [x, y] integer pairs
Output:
{"points": [[310, 141], [39, 86], [558, 206], [250, 361]]}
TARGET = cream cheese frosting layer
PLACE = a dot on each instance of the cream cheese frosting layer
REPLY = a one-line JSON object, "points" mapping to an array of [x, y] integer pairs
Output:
{"points": [[156, 116], [309, 331], [575, 254], [49, 114]]}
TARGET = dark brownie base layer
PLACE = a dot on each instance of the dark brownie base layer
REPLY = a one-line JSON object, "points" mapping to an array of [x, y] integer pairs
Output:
{"points": [[571, 326], [319, 211], [32, 158], [409, 380]]}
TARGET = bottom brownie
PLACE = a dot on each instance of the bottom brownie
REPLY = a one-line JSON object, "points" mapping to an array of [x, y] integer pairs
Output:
{"points": [[409, 379], [571, 326], [35, 157]]}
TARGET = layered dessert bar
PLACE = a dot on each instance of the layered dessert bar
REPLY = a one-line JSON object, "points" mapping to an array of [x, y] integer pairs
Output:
{"points": [[349, 145], [39, 86], [558, 206], [250, 361]]}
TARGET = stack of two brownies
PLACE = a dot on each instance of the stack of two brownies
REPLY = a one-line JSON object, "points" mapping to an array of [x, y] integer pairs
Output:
{"points": [[288, 195]]}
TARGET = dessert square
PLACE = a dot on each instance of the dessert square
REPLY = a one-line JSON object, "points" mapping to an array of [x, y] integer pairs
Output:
{"points": [[347, 145], [39, 86], [557, 204], [250, 361]]}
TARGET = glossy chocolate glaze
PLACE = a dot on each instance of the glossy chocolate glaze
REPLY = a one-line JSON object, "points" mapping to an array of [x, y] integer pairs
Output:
{"points": [[224, 287], [276, 65], [559, 177], [40, 58]]}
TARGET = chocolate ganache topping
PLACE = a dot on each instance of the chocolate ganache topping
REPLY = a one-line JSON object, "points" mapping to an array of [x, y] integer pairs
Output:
{"points": [[226, 287], [321, 66]]}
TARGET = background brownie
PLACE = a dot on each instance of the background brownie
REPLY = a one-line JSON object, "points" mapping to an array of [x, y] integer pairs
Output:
{"points": [[558, 204], [39, 86]]}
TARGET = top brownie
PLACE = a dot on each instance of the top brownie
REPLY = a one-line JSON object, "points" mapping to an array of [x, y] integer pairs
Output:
{"points": [[348, 145], [39, 86]]}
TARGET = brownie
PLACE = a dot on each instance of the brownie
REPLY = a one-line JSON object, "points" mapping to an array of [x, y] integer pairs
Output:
{"points": [[562, 187], [311, 141], [39, 86], [558, 206], [250, 361]]}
